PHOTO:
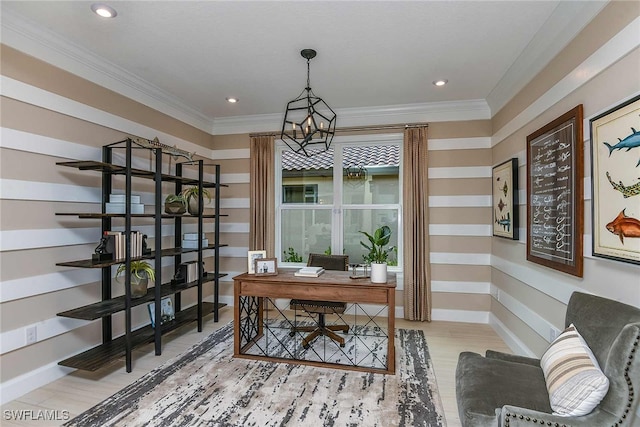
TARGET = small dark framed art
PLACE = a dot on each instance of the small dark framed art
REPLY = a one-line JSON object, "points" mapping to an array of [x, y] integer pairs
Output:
{"points": [[505, 199], [615, 182], [555, 204], [266, 267]]}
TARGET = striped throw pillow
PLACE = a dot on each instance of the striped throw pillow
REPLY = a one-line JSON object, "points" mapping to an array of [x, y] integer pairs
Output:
{"points": [[574, 380]]}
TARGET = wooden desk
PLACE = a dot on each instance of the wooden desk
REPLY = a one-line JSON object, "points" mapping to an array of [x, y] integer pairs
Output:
{"points": [[249, 291]]}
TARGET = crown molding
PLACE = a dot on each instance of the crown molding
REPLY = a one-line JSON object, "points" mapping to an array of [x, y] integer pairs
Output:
{"points": [[476, 109], [23, 35], [567, 20]]}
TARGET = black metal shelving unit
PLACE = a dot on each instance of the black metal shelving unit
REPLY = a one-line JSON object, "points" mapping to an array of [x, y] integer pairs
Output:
{"points": [[115, 348]]}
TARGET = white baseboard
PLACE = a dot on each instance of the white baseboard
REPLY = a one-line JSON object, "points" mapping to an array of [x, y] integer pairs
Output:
{"points": [[515, 344], [23, 384]]}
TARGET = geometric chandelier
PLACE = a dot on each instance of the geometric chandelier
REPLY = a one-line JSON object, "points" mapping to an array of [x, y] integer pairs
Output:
{"points": [[309, 123]]}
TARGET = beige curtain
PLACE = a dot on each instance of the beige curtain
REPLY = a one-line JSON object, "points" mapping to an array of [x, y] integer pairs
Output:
{"points": [[417, 281], [262, 194]]}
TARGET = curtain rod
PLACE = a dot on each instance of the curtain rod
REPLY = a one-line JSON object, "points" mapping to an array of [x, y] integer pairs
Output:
{"points": [[357, 129]]}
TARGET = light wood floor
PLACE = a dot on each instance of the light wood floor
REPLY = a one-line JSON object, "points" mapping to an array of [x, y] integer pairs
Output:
{"points": [[79, 391]]}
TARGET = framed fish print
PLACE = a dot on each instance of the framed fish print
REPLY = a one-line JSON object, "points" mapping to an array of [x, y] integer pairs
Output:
{"points": [[555, 200], [505, 199], [615, 182]]}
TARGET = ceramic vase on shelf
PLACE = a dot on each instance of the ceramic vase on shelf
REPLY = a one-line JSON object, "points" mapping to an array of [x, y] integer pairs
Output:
{"points": [[139, 285], [378, 272], [194, 207]]}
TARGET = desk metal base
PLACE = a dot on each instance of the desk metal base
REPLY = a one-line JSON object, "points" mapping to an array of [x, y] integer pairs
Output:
{"points": [[265, 332]]}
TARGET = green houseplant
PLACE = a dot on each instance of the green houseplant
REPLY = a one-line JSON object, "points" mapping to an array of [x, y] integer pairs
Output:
{"points": [[378, 252], [191, 195], [141, 272], [175, 204]]}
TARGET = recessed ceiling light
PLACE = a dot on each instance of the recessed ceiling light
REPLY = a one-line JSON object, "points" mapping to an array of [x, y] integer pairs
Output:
{"points": [[232, 100], [440, 82], [104, 10]]}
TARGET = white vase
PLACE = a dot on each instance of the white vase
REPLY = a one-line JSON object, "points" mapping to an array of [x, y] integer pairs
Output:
{"points": [[378, 272]]}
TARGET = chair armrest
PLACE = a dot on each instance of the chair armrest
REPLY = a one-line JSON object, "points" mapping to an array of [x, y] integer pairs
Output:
{"points": [[512, 358], [514, 416]]}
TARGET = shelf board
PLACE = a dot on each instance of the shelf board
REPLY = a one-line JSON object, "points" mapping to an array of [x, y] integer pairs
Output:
{"points": [[89, 215], [97, 357], [89, 263], [141, 173], [105, 308]]}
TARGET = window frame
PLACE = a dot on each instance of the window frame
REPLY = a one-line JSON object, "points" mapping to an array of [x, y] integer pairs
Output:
{"points": [[337, 207]]}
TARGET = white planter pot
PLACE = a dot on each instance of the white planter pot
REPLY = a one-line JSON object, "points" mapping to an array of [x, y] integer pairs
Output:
{"points": [[378, 272]]}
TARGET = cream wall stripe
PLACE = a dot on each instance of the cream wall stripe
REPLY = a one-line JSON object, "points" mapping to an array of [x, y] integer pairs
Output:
{"points": [[609, 53], [460, 230], [460, 287], [23, 92], [230, 154]]}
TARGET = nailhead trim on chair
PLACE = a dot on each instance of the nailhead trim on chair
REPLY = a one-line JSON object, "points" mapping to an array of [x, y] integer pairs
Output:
{"points": [[622, 418]]}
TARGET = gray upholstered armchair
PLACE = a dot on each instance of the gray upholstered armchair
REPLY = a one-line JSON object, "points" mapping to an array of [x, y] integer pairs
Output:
{"points": [[504, 390]]}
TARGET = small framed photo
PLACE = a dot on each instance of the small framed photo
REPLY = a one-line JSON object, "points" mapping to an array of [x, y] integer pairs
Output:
{"points": [[505, 199], [252, 256], [167, 312], [266, 266]]}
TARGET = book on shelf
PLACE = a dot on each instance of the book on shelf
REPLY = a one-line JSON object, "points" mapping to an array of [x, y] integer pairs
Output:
{"points": [[167, 312], [309, 272], [116, 244]]}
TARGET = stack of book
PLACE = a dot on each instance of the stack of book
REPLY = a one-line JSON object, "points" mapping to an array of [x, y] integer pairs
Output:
{"points": [[309, 272], [116, 244], [116, 204], [190, 241]]}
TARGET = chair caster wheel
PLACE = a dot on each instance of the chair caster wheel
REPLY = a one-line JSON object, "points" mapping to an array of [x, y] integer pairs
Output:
{"points": [[342, 345], [291, 334], [306, 347]]}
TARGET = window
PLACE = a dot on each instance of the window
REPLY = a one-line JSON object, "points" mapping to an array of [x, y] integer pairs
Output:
{"points": [[324, 201]]}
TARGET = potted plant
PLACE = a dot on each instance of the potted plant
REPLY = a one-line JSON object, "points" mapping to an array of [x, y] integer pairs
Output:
{"points": [[175, 204], [378, 254], [141, 272], [191, 196]]}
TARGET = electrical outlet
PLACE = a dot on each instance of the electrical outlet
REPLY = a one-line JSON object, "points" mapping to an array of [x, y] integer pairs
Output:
{"points": [[31, 334]]}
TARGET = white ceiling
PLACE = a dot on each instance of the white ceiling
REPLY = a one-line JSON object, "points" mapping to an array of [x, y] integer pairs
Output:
{"points": [[186, 57]]}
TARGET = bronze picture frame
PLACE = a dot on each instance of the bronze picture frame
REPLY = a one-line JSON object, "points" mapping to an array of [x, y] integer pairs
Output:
{"points": [[266, 267], [615, 182], [505, 199], [555, 194]]}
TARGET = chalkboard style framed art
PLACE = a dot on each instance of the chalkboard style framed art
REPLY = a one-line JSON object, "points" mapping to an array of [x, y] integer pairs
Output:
{"points": [[615, 182], [555, 200]]}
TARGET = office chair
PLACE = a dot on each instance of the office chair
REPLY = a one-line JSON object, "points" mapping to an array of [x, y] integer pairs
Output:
{"points": [[328, 262]]}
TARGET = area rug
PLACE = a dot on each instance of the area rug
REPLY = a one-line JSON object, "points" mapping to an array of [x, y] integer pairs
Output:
{"points": [[207, 386]]}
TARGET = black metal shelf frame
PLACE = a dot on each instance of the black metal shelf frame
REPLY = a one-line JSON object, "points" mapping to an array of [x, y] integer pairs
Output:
{"points": [[109, 305]]}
